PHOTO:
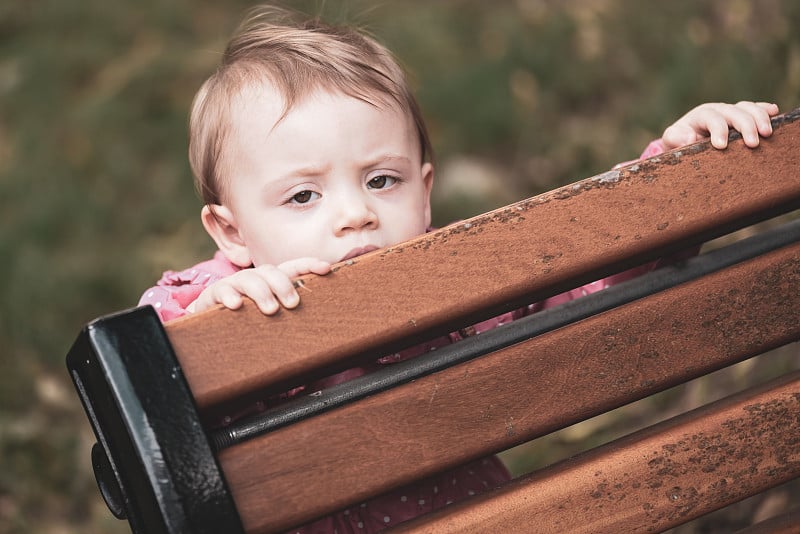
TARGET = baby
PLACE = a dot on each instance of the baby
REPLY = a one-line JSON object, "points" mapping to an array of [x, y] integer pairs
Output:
{"points": [[309, 148]]}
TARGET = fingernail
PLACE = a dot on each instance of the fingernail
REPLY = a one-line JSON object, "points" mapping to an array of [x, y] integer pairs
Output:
{"points": [[269, 308]]}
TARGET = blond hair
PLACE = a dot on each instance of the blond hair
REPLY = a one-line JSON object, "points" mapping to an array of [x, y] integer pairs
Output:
{"points": [[298, 56]]}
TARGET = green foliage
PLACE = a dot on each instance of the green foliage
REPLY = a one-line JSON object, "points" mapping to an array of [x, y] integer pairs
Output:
{"points": [[97, 197]]}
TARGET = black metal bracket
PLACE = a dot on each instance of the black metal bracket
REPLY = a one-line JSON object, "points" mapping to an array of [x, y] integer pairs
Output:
{"points": [[152, 460]]}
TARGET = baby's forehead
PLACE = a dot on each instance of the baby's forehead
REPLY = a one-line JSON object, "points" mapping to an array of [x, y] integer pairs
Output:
{"points": [[268, 97], [263, 97], [262, 131]]}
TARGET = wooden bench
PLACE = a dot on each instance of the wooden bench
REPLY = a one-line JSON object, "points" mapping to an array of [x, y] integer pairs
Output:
{"points": [[149, 389]]}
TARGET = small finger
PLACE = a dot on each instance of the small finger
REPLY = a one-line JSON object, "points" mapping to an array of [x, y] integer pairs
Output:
{"points": [[752, 121], [679, 135], [301, 266], [205, 301], [762, 113], [257, 289], [771, 108], [280, 285], [228, 297], [712, 119], [741, 120]]}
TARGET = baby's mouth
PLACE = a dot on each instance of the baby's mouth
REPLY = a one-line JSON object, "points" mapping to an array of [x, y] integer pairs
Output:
{"points": [[358, 252]]}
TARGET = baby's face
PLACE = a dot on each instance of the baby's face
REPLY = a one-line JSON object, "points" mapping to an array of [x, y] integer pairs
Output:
{"points": [[335, 178]]}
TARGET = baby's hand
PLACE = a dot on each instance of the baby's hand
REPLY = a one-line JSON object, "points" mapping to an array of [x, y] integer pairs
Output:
{"points": [[751, 119], [269, 286]]}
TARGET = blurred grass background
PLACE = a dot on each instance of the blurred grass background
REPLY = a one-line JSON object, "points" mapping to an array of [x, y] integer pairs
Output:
{"points": [[521, 96]]}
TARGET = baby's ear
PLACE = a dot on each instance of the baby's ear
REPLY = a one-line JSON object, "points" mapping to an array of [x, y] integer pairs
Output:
{"points": [[220, 224], [427, 179]]}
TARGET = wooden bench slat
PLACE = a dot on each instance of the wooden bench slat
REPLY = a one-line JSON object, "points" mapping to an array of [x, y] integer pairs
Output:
{"points": [[580, 370], [652, 480], [156, 462], [514, 255]]}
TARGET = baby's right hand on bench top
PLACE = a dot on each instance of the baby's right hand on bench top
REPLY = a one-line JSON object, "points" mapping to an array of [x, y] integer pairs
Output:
{"points": [[269, 286]]}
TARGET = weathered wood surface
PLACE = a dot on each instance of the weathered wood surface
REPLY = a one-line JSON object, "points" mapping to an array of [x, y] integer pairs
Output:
{"points": [[653, 480], [518, 393], [517, 254]]}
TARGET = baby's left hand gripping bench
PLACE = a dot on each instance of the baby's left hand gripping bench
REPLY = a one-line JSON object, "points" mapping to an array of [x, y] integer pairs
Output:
{"points": [[148, 388]]}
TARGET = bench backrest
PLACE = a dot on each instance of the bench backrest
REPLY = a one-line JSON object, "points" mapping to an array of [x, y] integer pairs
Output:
{"points": [[148, 389]]}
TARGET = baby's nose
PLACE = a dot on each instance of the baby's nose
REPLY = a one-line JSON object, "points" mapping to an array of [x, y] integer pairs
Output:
{"points": [[355, 214]]}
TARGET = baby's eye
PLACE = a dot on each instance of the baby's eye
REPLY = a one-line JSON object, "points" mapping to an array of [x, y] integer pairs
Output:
{"points": [[304, 196], [381, 182]]}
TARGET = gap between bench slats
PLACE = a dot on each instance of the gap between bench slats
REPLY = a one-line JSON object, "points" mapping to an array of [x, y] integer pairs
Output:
{"points": [[494, 262], [516, 394], [652, 480], [788, 523]]}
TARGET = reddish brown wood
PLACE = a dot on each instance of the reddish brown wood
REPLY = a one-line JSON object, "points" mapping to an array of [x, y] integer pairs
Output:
{"points": [[488, 404], [516, 254], [652, 480]]}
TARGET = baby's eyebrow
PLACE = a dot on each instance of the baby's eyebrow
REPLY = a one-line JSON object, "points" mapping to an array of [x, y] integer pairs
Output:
{"points": [[313, 171], [386, 158], [307, 172]]}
